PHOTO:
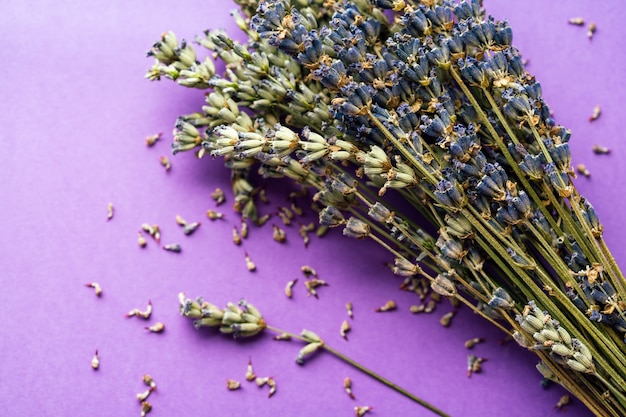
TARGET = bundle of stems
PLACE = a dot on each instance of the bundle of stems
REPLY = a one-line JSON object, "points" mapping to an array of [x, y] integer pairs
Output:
{"points": [[428, 99]]}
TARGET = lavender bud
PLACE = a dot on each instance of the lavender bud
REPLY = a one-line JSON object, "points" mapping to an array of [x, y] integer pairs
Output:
{"points": [[562, 156], [520, 339], [380, 213], [608, 288], [443, 286], [599, 297], [577, 365], [356, 228], [451, 248], [562, 350], [545, 371], [458, 226], [501, 299], [519, 260], [310, 337], [522, 204], [473, 72], [532, 166], [531, 324], [331, 216], [405, 268], [474, 259], [307, 350], [564, 336]]}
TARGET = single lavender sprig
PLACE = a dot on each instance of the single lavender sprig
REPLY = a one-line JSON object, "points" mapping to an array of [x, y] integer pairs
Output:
{"points": [[245, 320]]}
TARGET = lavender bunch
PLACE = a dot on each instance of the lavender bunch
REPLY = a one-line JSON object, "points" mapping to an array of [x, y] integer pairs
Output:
{"points": [[437, 106]]}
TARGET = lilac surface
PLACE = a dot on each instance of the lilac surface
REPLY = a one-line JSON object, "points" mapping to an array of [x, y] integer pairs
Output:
{"points": [[74, 113]]}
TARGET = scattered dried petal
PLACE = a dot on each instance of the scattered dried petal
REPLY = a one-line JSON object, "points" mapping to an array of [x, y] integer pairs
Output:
{"points": [[110, 211], [389, 306], [214, 215], [469, 344], [96, 287], [350, 310], [578, 21], [430, 307], [141, 241], [146, 407], [474, 364], [563, 401], [218, 196], [289, 288], [95, 361], [154, 231], [180, 221], [362, 410], [232, 385], [190, 228], [304, 233], [262, 220], [282, 336], [165, 162], [261, 381], [156, 328], [297, 210], [582, 170], [596, 114], [279, 234], [345, 328], [415, 309], [312, 284], [308, 271], [146, 313], [249, 264], [347, 385], [272, 384], [591, 30], [236, 236], [143, 396], [286, 220], [173, 247], [244, 229], [601, 150], [149, 381], [152, 139], [250, 375], [446, 319]]}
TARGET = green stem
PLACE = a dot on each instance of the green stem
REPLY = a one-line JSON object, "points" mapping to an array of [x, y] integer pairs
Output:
{"points": [[619, 279], [405, 152], [620, 397], [370, 373], [505, 151]]}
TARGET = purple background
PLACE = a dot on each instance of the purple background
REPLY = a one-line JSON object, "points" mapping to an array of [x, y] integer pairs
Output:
{"points": [[74, 113]]}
